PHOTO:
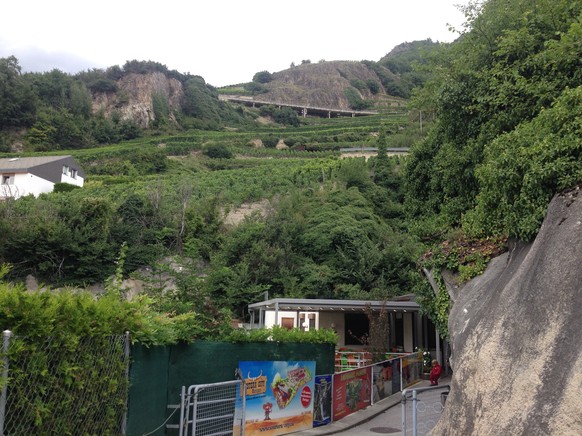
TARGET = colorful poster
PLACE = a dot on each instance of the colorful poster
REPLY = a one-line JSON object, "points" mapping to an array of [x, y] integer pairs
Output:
{"points": [[411, 369], [322, 401], [279, 396], [382, 376], [351, 391]]}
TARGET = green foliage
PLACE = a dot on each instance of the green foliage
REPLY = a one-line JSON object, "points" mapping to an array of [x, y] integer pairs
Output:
{"points": [[279, 334], [64, 187], [17, 101], [270, 141], [523, 169], [355, 100], [218, 151], [263, 77], [515, 59], [255, 88], [373, 86], [465, 258], [286, 116], [160, 108], [358, 84], [200, 101]]}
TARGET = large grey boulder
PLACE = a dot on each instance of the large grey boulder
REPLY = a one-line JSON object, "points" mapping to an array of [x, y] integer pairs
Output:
{"points": [[516, 335]]}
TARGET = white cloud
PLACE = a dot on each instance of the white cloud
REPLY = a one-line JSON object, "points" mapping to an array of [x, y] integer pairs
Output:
{"points": [[224, 41]]}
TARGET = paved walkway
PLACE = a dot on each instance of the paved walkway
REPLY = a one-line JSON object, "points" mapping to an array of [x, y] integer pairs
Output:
{"points": [[362, 416]]}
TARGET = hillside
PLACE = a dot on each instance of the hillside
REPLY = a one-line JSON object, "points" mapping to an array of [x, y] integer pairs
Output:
{"points": [[334, 84]]}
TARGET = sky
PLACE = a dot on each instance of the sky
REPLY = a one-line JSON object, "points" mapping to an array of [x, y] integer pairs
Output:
{"points": [[224, 41]]}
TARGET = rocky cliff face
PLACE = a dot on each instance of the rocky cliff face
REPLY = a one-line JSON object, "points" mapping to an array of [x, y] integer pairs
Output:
{"points": [[515, 330], [319, 85], [134, 99]]}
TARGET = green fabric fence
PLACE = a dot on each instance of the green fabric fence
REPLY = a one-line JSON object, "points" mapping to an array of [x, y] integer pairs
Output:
{"points": [[158, 373]]}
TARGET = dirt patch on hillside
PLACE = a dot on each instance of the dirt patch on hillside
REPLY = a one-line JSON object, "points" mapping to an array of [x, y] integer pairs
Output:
{"points": [[235, 216]]}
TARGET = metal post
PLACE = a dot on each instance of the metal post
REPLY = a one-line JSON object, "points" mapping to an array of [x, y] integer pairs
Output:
{"points": [[244, 408], [414, 412], [126, 350], [6, 343], [401, 387], [403, 401], [183, 406]]}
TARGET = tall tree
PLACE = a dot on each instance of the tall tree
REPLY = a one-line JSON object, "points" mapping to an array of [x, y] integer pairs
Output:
{"points": [[17, 101]]}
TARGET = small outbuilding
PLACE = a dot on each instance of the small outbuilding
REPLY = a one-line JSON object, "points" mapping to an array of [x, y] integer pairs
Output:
{"points": [[20, 176], [408, 328]]}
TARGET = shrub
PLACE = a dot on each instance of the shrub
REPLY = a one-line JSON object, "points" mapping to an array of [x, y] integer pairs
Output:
{"points": [[218, 151], [270, 141], [64, 187], [262, 77]]}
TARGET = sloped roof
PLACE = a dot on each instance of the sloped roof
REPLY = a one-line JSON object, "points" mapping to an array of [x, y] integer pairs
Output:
{"points": [[26, 163]]}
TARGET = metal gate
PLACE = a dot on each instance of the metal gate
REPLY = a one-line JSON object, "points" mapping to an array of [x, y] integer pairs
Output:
{"points": [[213, 409], [422, 408]]}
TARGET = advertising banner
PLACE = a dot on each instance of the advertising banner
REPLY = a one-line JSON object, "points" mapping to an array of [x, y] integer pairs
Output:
{"points": [[382, 376], [279, 396], [411, 369], [322, 401], [351, 391]]}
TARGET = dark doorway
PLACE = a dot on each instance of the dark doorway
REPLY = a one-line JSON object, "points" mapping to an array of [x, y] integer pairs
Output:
{"points": [[357, 328]]}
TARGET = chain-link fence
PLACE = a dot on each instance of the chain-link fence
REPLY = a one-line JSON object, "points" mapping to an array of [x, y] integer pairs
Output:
{"points": [[64, 386]]}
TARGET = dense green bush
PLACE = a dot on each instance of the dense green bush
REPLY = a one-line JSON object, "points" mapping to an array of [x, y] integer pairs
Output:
{"points": [[523, 169], [355, 101], [263, 77], [218, 151], [279, 334]]}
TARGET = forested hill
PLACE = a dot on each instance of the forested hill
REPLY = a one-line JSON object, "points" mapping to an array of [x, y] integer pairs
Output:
{"points": [[384, 85], [54, 110]]}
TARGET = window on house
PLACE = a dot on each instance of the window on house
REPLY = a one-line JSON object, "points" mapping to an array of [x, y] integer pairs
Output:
{"points": [[65, 170], [8, 179], [287, 323], [310, 323], [73, 173]]}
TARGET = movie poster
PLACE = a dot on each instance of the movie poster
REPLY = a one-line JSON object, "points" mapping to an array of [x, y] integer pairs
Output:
{"points": [[352, 390], [279, 396], [322, 401]]}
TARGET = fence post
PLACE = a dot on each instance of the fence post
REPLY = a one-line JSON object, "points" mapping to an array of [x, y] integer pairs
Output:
{"points": [[244, 407], [126, 350], [6, 343], [403, 405], [414, 417], [401, 387]]}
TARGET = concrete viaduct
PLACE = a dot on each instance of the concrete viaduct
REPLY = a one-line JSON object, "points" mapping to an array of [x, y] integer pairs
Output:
{"points": [[303, 110]]}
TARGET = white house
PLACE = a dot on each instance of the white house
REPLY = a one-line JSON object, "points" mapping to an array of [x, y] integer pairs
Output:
{"points": [[409, 329], [20, 176]]}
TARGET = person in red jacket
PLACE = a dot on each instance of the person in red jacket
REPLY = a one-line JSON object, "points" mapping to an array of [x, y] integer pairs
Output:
{"points": [[435, 373]]}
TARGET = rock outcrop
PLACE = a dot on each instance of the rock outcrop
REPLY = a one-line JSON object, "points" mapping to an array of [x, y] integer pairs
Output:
{"points": [[135, 98], [515, 331], [320, 85]]}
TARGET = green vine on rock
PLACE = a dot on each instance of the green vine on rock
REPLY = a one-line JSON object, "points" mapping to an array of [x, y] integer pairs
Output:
{"points": [[465, 258]]}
